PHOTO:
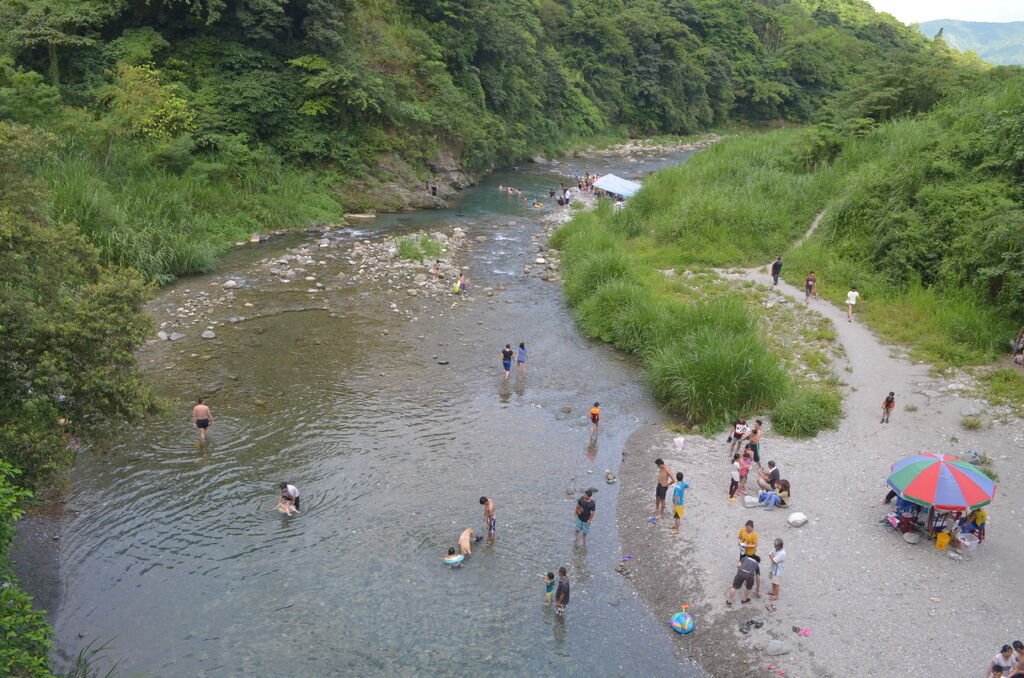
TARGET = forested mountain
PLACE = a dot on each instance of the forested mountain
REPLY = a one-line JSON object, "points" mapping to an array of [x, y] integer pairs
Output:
{"points": [[185, 125], [996, 43]]}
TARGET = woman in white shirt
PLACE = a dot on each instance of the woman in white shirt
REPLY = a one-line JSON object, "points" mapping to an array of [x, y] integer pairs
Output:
{"points": [[851, 300]]}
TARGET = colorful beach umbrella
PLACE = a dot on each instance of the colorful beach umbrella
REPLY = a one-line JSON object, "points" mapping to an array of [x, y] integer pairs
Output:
{"points": [[940, 481]]}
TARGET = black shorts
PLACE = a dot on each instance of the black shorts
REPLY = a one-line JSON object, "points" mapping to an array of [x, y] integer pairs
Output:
{"points": [[742, 578], [296, 500], [202, 423], [660, 491]]}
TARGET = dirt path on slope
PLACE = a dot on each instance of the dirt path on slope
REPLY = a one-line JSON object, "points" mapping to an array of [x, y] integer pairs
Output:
{"points": [[874, 604]]}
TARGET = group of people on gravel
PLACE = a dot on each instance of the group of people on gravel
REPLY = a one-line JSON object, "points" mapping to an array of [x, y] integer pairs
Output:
{"points": [[1008, 662]]}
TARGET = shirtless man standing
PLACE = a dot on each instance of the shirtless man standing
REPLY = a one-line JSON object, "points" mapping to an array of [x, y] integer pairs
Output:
{"points": [[489, 520], [201, 419], [665, 480]]}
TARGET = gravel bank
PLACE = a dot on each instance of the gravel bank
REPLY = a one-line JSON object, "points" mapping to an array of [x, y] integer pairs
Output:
{"points": [[874, 604]]}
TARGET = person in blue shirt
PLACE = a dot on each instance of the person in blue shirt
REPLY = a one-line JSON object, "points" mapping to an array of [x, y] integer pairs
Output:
{"points": [[678, 501], [521, 358]]}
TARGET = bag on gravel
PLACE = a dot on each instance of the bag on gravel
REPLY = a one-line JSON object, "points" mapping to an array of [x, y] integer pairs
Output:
{"points": [[797, 519], [750, 502]]}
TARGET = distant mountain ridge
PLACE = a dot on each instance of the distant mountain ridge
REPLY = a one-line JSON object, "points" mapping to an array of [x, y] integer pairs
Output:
{"points": [[997, 43]]}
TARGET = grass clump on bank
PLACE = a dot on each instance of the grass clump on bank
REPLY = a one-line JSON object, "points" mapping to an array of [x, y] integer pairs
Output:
{"points": [[808, 412], [704, 358], [418, 248]]}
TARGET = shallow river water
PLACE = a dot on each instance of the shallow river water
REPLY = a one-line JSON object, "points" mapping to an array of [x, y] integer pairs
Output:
{"points": [[173, 553]]}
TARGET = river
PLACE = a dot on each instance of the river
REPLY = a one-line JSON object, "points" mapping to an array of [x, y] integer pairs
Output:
{"points": [[170, 552]]}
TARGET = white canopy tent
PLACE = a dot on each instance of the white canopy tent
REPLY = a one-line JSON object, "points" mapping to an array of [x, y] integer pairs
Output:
{"points": [[617, 185]]}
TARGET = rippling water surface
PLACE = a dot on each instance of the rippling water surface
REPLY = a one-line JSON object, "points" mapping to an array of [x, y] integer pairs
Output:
{"points": [[174, 552]]}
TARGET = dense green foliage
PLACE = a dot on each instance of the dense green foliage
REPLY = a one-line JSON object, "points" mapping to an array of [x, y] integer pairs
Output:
{"points": [[997, 43], [68, 325], [922, 212], [705, 359], [184, 126], [24, 634]]}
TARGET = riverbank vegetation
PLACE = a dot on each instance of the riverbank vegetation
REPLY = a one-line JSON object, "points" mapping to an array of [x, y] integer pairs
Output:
{"points": [[139, 140], [922, 210], [703, 350]]}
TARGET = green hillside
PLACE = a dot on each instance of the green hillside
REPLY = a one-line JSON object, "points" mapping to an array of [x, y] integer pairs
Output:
{"points": [[922, 213], [996, 43]]}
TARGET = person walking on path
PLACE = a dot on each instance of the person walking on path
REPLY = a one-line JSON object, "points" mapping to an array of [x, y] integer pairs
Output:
{"points": [[562, 592], [521, 358], [748, 574], [202, 418], [595, 419], [506, 359], [734, 478], [586, 509], [665, 476], [777, 557], [888, 405], [776, 270], [678, 501], [810, 283], [747, 541], [490, 521], [851, 300]]}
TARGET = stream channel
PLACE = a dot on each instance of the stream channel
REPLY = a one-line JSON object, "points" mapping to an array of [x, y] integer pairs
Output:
{"points": [[173, 554]]}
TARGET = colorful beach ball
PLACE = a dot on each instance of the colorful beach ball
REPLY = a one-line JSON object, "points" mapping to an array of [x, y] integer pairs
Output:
{"points": [[682, 621]]}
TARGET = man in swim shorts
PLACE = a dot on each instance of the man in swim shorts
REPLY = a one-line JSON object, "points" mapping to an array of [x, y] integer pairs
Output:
{"points": [[506, 359], [202, 418], [562, 592], [586, 509], [665, 479], [489, 518], [595, 419]]}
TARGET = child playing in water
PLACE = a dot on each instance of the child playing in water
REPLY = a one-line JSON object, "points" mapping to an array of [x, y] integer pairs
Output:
{"points": [[595, 419], [286, 502], [549, 588]]}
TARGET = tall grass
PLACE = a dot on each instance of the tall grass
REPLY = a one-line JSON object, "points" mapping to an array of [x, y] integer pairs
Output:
{"points": [[741, 201], [418, 248], [807, 412], [166, 224], [705, 359], [711, 376]]}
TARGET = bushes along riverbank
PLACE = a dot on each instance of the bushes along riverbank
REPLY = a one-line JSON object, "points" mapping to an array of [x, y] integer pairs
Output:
{"points": [[707, 359]]}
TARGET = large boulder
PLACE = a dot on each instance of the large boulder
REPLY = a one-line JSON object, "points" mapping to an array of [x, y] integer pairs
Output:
{"points": [[797, 519]]}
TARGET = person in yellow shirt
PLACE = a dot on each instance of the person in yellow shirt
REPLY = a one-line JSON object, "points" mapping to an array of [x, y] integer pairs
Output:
{"points": [[748, 541], [975, 522]]}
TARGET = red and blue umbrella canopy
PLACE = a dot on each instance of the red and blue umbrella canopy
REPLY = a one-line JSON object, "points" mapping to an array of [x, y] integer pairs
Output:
{"points": [[942, 482]]}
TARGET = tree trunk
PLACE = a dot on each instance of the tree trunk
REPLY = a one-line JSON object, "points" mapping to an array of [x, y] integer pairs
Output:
{"points": [[54, 65]]}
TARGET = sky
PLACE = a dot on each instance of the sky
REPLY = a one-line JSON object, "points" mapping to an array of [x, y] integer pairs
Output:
{"points": [[913, 11]]}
